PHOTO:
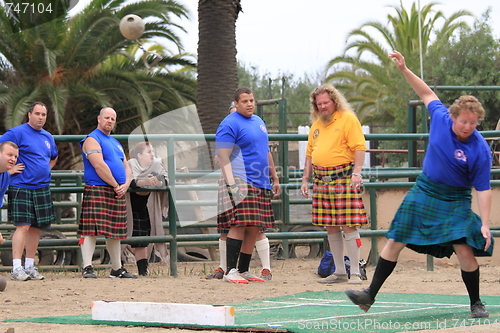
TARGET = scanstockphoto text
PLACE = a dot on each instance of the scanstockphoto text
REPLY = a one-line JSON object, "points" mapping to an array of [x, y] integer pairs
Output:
{"points": [[336, 324]]}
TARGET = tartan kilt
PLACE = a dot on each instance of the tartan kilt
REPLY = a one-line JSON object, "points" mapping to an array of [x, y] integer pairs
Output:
{"points": [[32, 207], [433, 217], [336, 203], [102, 213], [255, 210], [141, 226]]}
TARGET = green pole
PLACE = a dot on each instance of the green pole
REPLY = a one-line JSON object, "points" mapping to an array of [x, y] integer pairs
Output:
{"points": [[172, 211], [284, 179], [373, 222], [412, 128]]}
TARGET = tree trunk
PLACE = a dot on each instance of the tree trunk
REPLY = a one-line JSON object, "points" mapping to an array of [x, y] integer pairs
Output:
{"points": [[217, 66]]}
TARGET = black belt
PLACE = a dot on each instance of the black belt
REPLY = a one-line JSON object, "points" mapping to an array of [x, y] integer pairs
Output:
{"points": [[334, 176]]}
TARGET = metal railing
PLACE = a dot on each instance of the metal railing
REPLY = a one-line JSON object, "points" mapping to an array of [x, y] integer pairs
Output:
{"points": [[72, 182]]}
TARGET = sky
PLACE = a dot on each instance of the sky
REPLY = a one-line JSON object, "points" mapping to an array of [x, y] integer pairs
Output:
{"points": [[299, 37]]}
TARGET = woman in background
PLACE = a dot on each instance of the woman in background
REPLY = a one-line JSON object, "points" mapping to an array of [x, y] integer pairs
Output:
{"points": [[144, 209]]}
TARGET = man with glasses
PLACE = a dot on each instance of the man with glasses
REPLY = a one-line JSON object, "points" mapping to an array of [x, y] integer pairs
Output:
{"points": [[335, 154], [435, 217]]}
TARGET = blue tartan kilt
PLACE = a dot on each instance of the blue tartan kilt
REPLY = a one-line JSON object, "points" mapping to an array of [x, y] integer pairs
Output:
{"points": [[32, 207], [434, 216]]}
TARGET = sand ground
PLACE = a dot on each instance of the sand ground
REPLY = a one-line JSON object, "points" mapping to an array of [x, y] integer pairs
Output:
{"points": [[66, 293]]}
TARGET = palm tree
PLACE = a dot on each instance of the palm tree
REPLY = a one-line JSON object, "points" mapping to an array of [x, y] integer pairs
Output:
{"points": [[368, 77], [78, 64], [217, 65]]}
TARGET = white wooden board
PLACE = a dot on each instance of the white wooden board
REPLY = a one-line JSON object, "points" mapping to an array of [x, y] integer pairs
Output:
{"points": [[167, 313]]}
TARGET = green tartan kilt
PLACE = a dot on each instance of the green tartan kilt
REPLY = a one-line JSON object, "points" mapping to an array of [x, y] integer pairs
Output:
{"points": [[434, 216]]}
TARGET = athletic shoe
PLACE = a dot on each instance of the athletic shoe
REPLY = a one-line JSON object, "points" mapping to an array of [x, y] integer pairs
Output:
{"points": [[361, 298], [234, 277], [19, 274], [88, 273], [334, 278], [355, 279], [122, 274], [250, 277], [217, 274], [477, 310], [266, 274], [33, 273]]}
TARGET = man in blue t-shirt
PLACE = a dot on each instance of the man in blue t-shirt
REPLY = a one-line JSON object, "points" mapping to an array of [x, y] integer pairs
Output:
{"points": [[30, 200], [435, 216], [8, 157], [107, 177], [244, 198]]}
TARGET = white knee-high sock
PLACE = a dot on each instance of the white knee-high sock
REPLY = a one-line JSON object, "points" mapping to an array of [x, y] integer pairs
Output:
{"points": [[222, 254], [114, 248], [351, 244], [262, 247], [337, 248], [88, 248]]}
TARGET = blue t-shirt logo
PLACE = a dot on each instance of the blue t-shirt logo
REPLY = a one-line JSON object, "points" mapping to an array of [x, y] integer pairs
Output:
{"points": [[460, 155]]}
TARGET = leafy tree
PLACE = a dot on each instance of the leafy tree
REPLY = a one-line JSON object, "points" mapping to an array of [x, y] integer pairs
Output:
{"points": [[367, 77], [294, 91], [217, 65], [470, 59], [78, 64]]}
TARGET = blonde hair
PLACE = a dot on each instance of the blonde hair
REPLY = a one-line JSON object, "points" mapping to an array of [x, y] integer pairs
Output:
{"points": [[338, 99], [467, 103]]}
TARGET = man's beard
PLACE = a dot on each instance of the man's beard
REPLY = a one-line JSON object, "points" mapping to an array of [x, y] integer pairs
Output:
{"points": [[325, 118]]}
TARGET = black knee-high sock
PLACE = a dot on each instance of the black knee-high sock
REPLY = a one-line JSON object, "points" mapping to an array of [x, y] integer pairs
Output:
{"points": [[244, 263], [382, 271], [233, 247], [471, 280]]}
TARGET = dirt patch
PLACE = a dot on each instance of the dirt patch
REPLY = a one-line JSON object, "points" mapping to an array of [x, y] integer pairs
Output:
{"points": [[62, 294]]}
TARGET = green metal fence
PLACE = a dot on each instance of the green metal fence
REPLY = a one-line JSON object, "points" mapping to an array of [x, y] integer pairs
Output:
{"points": [[71, 182]]}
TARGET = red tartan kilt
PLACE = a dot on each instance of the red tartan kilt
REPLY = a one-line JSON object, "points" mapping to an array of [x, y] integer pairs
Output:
{"points": [[102, 213], [255, 209], [336, 203]]}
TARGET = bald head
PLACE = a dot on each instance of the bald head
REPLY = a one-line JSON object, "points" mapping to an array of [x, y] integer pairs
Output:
{"points": [[105, 109], [106, 120]]}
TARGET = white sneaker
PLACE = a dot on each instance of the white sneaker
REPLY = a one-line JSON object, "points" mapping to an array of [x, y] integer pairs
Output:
{"points": [[234, 277], [33, 273], [355, 279], [19, 274], [250, 277], [334, 278]]}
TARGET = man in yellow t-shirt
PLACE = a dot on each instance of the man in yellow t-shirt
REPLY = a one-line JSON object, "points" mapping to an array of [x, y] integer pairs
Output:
{"points": [[335, 155]]}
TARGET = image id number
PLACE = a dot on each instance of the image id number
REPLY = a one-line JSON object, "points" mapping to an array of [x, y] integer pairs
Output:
{"points": [[29, 8]]}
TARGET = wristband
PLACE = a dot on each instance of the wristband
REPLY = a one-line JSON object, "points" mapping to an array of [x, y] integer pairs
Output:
{"points": [[357, 174], [233, 189]]}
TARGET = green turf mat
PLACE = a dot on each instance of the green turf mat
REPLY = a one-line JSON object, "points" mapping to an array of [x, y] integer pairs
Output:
{"points": [[328, 311], [87, 320]]}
